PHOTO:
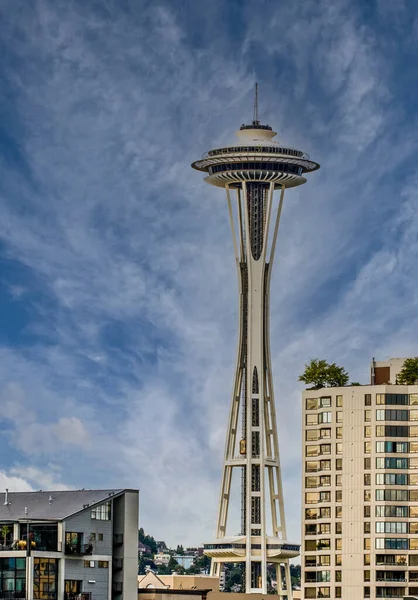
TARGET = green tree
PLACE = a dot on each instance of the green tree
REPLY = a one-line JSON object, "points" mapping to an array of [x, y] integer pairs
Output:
{"points": [[5, 530], [173, 565], [336, 376], [319, 374], [180, 550], [409, 373], [148, 540]]}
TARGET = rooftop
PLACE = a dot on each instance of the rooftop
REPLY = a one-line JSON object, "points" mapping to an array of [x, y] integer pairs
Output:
{"points": [[50, 505]]}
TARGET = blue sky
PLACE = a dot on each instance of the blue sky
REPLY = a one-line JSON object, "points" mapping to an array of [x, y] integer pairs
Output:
{"points": [[118, 294]]}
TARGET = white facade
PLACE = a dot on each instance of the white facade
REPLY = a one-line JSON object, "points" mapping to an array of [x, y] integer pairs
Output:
{"points": [[251, 171], [360, 492]]}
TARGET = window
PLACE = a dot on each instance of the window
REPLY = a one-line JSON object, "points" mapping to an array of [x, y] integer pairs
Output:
{"points": [[338, 512], [312, 419], [394, 430], [366, 527], [325, 480], [312, 403], [93, 537], [391, 479], [392, 399], [413, 527], [413, 447], [312, 435], [324, 560], [339, 448], [89, 564], [367, 399], [325, 512], [391, 511], [392, 495], [413, 479], [366, 559], [338, 528], [324, 417], [339, 401], [325, 465], [103, 564], [13, 577], [339, 464], [413, 544], [339, 416], [325, 402], [392, 415], [311, 482], [45, 578], [367, 415], [392, 463], [102, 512], [367, 495], [367, 575], [310, 545], [380, 431], [325, 448], [325, 433], [311, 513], [338, 496], [380, 415], [338, 576], [367, 447], [392, 543], [413, 495], [366, 591], [413, 463], [324, 496], [339, 432], [398, 447], [391, 559], [391, 527], [367, 463], [367, 479], [338, 592], [310, 561], [367, 543], [338, 480], [311, 466], [413, 561], [413, 399], [380, 398], [100, 537], [324, 528], [367, 511], [323, 544], [338, 560], [367, 431], [324, 592], [323, 576], [312, 450], [413, 431], [310, 592]]}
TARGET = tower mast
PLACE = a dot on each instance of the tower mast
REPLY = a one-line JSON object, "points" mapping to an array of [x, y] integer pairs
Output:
{"points": [[251, 171]]}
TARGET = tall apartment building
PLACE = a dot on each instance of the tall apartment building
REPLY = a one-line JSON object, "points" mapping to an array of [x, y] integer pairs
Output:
{"points": [[360, 490], [83, 544]]}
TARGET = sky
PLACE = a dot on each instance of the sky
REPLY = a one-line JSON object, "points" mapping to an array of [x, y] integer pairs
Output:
{"points": [[118, 293]]}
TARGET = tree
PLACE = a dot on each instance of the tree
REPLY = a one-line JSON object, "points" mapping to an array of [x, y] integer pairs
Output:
{"points": [[148, 540], [321, 374], [408, 375], [180, 550], [173, 565], [336, 376], [5, 530]]}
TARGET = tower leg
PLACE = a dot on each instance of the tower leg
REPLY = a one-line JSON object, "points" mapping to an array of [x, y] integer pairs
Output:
{"points": [[288, 580], [279, 579]]}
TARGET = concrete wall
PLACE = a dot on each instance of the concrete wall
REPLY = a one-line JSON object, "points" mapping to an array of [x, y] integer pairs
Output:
{"points": [[125, 521]]}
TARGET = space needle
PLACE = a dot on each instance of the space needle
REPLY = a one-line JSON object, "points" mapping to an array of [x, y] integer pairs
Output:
{"points": [[251, 171]]}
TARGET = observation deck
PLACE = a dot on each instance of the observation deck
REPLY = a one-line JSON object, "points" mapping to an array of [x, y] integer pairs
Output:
{"points": [[257, 157], [234, 549]]}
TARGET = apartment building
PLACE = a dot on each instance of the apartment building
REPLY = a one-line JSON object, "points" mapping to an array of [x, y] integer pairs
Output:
{"points": [[65, 545], [360, 491]]}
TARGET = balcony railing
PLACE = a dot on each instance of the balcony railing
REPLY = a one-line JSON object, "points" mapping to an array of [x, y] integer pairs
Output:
{"points": [[117, 587], [79, 550], [118, 539], [117, 564]]}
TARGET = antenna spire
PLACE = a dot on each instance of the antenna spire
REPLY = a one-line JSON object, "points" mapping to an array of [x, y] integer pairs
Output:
{"points": [[255, 115]]}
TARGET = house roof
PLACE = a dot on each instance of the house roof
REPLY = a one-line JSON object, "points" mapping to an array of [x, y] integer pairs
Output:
{"points": [[53, 506]]}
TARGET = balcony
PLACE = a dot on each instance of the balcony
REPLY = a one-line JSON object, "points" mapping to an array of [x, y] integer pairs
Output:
{"points": [[75, 547], [117, 587], [118, 539], [12, 595]]}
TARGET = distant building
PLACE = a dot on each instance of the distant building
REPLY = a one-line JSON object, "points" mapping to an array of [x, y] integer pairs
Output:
{"points": [[178, 582], [184, 560], [161, 546], [162, 558], [385, 372], [83, 544], [143, 548]]}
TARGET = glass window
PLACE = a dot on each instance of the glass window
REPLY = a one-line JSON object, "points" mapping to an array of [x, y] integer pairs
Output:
{"points": [[310, 592], [324, 560], [324, 417], [380, 431], [413, 415], [413, 399], [366, 526], [413, 447], [310, 561], [312, 435], [380, 398], [13, 577], [380, 415], [413, 479], [102, 512], [338, 528], [310, 545], [367, 495], [366, 559], [89, 564], [338, 560], [323, 544], [383, 510], [367, 399], [325, 465], [324, 592], [103, 564], [311, 466], [367, 543], [338, 512], [325, 432], [312, 403], [338, 480], [367, 591], [339, 448], [367, 511], [338, 592], [324, 496], [413, 511], [312, 450], [325, 512], [45, 578], [367, 415], [380, 447], [325, 448], [339, 431], [338, 496], [413, 544], [325, 402], [413, 495], [367, 479], [339, 401], [311, 513], [367, 431], [391, 527], [413, 463], [367, 575], [339, 416], [338, 544], [367, 447], [324, 528], [325, 480], [311, 497], [338, 464], [312, 419], [368, 463], [413, 431], [413, 527]]}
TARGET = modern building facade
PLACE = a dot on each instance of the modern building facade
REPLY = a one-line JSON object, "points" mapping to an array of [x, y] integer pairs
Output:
{"points": [[82, 544], [251, 170], [360, 492]]}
